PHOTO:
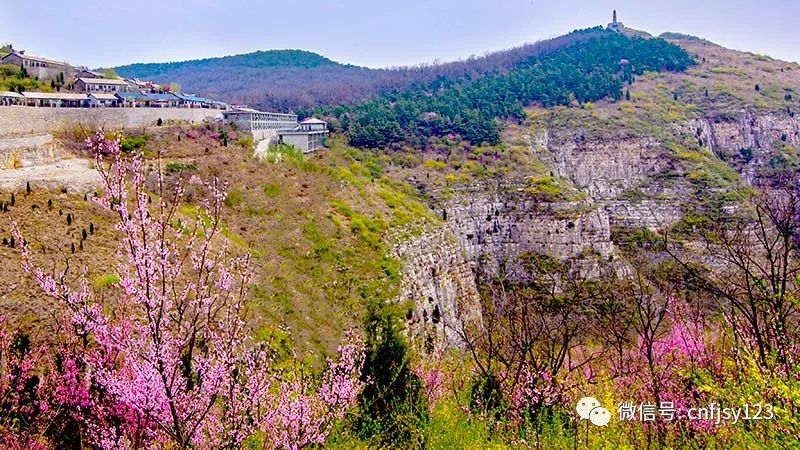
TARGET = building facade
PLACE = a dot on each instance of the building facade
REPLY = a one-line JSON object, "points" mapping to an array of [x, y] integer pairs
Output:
{"points": [[55, 99], [41, 68], [102, 99], [263, 125], [89, 85], [307, 141], [309, 136]]}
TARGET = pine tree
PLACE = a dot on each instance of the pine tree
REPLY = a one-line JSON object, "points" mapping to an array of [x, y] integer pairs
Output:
{"points": [[627, 94], [393, 407]]}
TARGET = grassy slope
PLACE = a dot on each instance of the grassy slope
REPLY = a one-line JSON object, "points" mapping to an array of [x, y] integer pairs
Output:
{"points": [[316, 227]]}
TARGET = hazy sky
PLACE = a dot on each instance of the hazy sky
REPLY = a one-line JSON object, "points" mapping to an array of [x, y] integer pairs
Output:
{"points": [[367, 32]]}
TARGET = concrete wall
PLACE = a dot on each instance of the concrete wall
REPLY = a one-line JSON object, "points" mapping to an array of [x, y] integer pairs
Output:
{"points": [[298, 140], [21, 120]]}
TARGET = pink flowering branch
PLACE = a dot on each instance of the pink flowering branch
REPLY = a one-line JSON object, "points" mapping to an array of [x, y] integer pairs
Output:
{"points": [[168, 361]]}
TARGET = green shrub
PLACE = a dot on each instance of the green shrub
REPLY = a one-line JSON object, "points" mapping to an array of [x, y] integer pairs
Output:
{"points": [[131, 143], [178, 167], [393, 407], [234, 198], [246, 141], [106, 280], [271, 190]]}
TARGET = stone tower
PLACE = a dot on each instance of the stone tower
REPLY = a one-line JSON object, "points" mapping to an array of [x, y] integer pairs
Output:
{"points": [[614, 25]]}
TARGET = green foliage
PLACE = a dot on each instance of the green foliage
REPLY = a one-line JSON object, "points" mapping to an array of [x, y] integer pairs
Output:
{"points": [[14, 78], [585, 71], [281, 152], [636, 238], [178, 167], [131, 143], [393, 407], [486, 396], [545, 188], [234, 198], [671, 35], [691, 224], [260, 59], [106, 280], [246, 141], [271, 190], [110, 73]]}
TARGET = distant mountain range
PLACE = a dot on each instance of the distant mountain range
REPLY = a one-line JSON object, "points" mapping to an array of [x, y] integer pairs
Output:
{"points": [[296, 79]]}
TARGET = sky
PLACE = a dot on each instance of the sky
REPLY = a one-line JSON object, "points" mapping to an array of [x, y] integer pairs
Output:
{"points": [[373, 33]]}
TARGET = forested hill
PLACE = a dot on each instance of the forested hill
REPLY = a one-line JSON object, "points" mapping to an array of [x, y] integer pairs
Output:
{"points": [[586, 70], [261, 59], [287, 80]]}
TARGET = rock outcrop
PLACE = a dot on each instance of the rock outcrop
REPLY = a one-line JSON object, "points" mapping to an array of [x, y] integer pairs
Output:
{"points": [[489, 225], [440, 287]]}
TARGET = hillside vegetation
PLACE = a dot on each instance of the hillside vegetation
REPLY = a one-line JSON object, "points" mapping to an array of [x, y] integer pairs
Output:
{"points": [[588, 70], [16, 79], [285, 80], [315, 227]]}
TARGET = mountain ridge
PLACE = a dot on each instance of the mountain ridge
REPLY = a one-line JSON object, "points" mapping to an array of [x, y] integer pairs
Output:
{"points": [[299, 79]]}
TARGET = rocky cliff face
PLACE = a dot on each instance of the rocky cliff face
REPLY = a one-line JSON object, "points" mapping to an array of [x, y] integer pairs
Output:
{"points": [[489, 224], [750, 142], [439, 287], [495, 225], [606, 168]]}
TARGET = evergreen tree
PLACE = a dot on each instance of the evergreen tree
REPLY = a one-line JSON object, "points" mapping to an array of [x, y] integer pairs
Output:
{"points": [[393, 407]]}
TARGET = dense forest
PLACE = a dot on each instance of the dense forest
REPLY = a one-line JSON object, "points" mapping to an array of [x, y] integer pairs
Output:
{"points": [[584, 71], [287, 80]]}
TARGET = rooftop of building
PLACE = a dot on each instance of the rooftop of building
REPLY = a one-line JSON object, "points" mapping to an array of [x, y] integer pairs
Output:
{"points": [[36, 58], [54, 96], [313, 121], [193, 98], [103, 96], [103, 81]]}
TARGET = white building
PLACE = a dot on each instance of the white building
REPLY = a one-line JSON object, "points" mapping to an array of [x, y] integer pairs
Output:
{"points": [[55, 99], [309, 136], [101, 85], [103, 99], [10, 98], [263, 125]]}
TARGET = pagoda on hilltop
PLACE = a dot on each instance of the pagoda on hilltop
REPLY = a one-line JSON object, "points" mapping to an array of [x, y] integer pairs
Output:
{"points": [[614, 25]]}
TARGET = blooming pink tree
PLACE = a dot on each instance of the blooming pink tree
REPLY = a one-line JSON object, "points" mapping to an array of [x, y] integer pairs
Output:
{"points": [[24, 407], [660, 369], [168, 362]]}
